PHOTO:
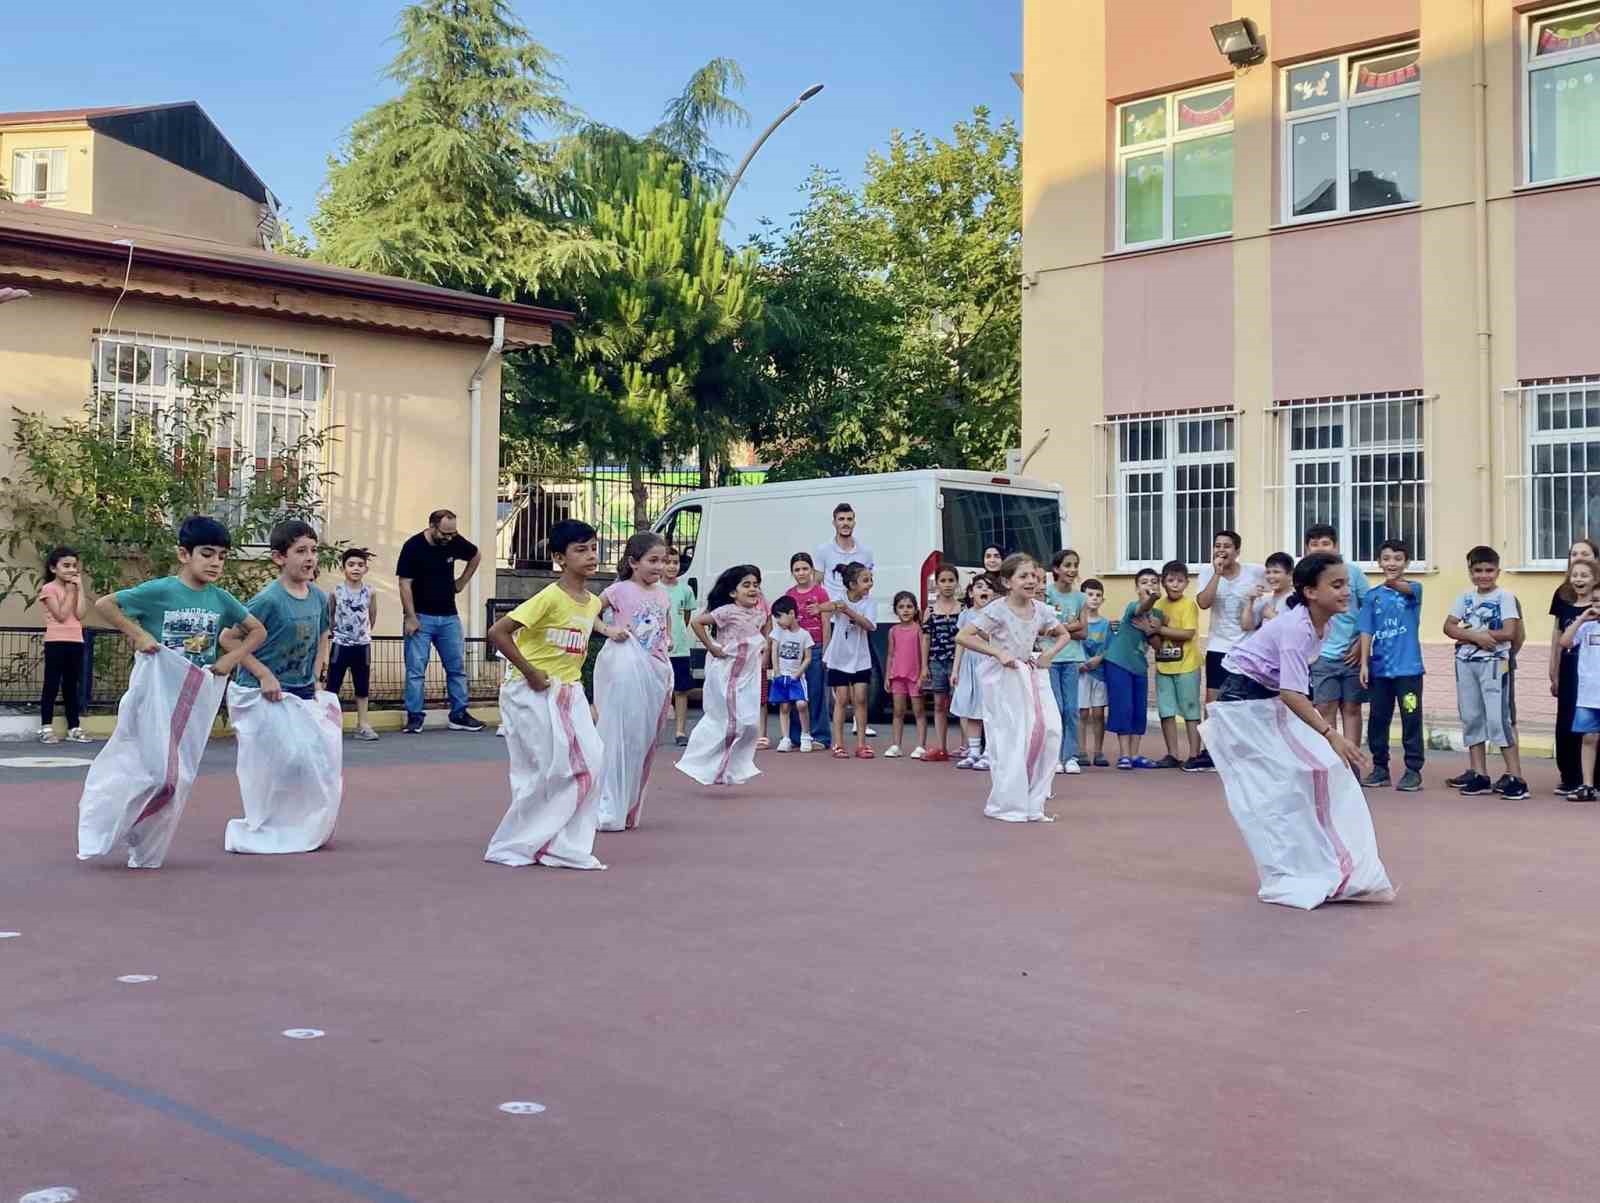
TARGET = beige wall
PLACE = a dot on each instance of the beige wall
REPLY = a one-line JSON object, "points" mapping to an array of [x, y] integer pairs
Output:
{"points": [[138, 187], [1398, 292], [402, 403], [76, 140]]}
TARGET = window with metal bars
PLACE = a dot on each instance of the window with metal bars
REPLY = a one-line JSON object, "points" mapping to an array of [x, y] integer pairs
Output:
{"points": [[1358, 464], [1174, 486], [1562, 466]]}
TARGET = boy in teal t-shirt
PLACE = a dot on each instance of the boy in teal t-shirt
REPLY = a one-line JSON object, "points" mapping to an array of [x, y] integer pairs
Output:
{"points": [[296, 616], [1128, 671], [1062, 596], [682, 603]]}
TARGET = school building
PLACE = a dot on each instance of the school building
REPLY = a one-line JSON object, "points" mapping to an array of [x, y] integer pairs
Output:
{"points": [[1344, 276], [132, 257]]}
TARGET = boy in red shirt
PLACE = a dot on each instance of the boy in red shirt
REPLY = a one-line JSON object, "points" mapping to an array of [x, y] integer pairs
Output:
{"points": [[809, 598]]}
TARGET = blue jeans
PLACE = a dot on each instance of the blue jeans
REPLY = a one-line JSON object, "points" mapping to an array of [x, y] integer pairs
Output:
{"points": [[1064, 684], [819, 701], [442, 631]]}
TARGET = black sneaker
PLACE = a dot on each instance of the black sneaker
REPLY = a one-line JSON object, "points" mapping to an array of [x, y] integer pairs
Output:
{"points": [[1515, 790], [1377, 779], [1479, 784], [1584, 793], [1411, 781], [1564, 790], [1459, 779], [1503, 783], [463, 721], [1199, 764], [1169, 762], [413, 725]]}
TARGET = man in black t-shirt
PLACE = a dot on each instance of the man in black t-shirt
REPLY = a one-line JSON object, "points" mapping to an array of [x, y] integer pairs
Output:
{"points": [[428, 588]]}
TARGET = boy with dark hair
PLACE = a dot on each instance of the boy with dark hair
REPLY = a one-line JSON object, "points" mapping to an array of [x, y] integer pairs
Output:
{"points": [[1128, 671], [791, 654], [554, 749], [1336, 689], [138, 785], [1178, 670], [1485, 622], [296, 615], [811, 600], [682, 606], [353, 614], [1391, 665]]}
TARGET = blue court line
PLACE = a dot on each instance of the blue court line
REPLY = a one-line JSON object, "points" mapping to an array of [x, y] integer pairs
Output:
{"points": [[261, 1146]]}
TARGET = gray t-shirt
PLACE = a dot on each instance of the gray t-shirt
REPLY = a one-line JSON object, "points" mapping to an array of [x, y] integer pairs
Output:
{"points": [[1227, 608]]}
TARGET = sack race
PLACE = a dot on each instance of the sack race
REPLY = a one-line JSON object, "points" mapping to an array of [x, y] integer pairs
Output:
{"points": [[555, 756], [139, 784], [722, 746], [1299, 807], [633, 690], [1022, 737], [290, 766]]}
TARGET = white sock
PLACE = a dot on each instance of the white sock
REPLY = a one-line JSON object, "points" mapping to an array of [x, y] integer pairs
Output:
{"points": [[974, 746]]}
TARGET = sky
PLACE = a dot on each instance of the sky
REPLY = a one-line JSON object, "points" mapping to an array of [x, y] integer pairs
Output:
{"points": [[284, 80]]}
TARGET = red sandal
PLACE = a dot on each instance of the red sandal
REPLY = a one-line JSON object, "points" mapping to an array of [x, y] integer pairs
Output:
{"points": [[865, 753], [840, 754]]}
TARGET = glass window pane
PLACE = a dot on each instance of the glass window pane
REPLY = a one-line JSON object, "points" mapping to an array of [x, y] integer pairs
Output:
{"points": [[1390, 70], [1205, 109], [1570, 31], [1202, 187], [1314, 163], [1313, 85], [1144, 199], [1565, 134], [1144, 122], [1384, 157]]}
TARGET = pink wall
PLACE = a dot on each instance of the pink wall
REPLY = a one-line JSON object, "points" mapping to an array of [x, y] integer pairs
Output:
{"points": [[1347, 308], [1558, 261], [1169, 330], [1154, 45], [1312, 27]]}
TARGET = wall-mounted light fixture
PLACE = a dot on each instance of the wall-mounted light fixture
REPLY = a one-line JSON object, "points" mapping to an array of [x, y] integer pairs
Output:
{"points": [[1238, 42]]}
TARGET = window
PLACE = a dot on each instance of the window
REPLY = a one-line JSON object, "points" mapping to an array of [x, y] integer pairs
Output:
{"points": [[1562, 468], [39, 176], [1175, 167], [1563, 96], [1173, 484], [682, 531], [974, 518], [269, 399], [1359, 465], [1350, 137]]}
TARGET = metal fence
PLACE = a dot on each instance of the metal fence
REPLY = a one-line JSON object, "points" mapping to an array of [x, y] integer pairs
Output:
{"points": [[108, 661], [531, 503]]}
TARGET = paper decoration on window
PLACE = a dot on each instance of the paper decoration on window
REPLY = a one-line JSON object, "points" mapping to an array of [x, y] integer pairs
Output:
{"points": [[1314, 89], [1387, 73], [1190, 117], [1554, 38]]}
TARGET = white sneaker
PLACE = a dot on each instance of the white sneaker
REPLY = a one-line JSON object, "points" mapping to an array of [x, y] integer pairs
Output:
{"points": [[784, 745], [919, 753], [967, 761], [1060, 768], [368, 735], [894, 751], [47, 735], [807, 744], [981, 764], [501, 729], [76, 736], [1071, 767]]}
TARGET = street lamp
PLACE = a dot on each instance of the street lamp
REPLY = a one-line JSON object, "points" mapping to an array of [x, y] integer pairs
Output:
{"points": [[733, 181]]}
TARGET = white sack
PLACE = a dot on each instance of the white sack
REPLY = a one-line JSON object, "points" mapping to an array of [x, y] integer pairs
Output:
{"points": [[722, 746], [139, 783], [1298, 806], [633, 690], [290, 766], [1022, 736], [555, 756]]}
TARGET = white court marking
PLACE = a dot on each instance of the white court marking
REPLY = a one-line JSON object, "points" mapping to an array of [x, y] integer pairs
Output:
{"points": [[304, 1033], [50, 1194], [522, 1108], [9, 935], [133, 979], [45, 762]]}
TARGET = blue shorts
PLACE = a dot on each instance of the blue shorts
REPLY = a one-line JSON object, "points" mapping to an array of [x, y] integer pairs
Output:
{"points": [[1127, 700], [1585, 720], [786, 689]]}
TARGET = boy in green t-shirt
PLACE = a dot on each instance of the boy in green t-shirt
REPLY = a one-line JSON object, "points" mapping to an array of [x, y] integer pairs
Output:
{"points": [[683, 605], [1128, 671]]}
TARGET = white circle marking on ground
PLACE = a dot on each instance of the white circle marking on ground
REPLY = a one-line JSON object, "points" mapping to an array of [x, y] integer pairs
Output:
{"points": [[50, 1194], [133, 979], [522, 1108], [9, 935], [44, 762], [304, 1033]]}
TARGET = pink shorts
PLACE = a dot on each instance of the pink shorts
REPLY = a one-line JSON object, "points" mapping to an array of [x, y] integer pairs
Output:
{"points": [[904, 686]]}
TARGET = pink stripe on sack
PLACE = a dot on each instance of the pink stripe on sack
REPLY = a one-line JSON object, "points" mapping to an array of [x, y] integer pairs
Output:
{"points": [[180, 720], [1036, 728], [632, 819], [731, 735], [1319, 789], [580, 767]]}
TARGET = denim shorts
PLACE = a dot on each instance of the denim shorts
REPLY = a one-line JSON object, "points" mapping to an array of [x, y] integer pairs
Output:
{"points": [[939, 675]]}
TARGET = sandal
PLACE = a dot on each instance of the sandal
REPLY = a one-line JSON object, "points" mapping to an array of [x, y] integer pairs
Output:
{"points": [[841, 754], [865, 753]]}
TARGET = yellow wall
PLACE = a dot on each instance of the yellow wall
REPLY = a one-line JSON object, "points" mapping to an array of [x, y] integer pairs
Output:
{"points": [[402, 403], [136, 186], [78, 142]]}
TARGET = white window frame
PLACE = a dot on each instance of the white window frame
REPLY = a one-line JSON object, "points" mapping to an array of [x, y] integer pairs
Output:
{"points": [[1339, 109], [1165, 147], [1524, 483], [55, 191], [1345, 456], [252, 388], [1115, 501], [1530, 66]]}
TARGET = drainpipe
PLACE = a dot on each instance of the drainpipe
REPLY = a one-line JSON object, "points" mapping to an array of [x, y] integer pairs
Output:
{"points": [[1480, 215], [484, 534]]}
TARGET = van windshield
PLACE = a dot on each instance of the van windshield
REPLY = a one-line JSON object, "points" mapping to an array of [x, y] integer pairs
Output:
{"points": [[974, 519]]}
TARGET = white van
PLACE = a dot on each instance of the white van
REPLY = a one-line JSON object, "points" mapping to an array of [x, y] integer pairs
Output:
{"points": [[913, 522]]}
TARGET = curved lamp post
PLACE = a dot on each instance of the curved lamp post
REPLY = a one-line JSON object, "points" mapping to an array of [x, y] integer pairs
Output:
{"points": [[738, 173]]}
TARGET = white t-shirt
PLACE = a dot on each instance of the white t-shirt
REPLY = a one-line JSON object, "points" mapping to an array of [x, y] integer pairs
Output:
{"points": [[847, 650], [1484, 612], [830, 555], [1589, 666], [789, 649], [1228, 605]]}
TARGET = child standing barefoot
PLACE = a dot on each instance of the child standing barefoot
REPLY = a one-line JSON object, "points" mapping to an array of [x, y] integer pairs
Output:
{"points": [[1021, 720], [966, 692], [722, 746], [908, 670], [848, 657], [65, 599], [940, 621]]}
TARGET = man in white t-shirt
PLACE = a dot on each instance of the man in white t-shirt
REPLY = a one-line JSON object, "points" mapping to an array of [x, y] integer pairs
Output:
{"points": [[1225, 586], [843, 548]]}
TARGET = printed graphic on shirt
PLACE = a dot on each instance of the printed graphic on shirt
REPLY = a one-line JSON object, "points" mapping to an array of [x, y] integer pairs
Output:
{"points": [[791, 647], [571, 640], [649, 626], [191, 632]]}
